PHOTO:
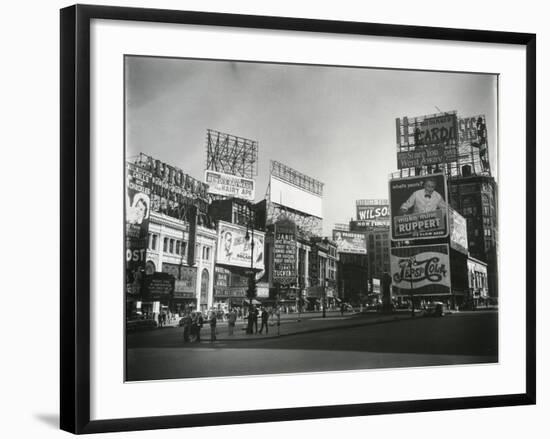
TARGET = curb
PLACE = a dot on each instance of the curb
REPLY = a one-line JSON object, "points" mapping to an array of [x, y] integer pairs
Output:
{"points": [[314, 330]]}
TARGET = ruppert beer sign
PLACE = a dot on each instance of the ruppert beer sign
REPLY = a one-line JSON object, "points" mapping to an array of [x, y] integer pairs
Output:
{"points": [[421, 269], [419, 207]]}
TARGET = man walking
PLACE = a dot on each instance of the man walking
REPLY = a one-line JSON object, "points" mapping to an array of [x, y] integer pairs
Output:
{"points": [[265, 317], [213, 322], [255, 319], [231, 322]]}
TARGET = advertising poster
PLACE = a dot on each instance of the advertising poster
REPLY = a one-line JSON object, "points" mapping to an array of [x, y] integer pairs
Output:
{"points": [[458, 231], [373, 212], [434, 141], [229, 185], [284, 253], [185, 280], [419, 207], [234, 247], [421, 270], [350, 242], [138, 208]]}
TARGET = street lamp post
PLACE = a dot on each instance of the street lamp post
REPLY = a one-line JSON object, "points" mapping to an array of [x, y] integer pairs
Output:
{"points": [[325, 299], [411, 261]]}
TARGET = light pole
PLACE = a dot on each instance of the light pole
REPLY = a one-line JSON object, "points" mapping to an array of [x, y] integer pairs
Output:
{"points": [[251, 293], [325, 298], [411, 262]]}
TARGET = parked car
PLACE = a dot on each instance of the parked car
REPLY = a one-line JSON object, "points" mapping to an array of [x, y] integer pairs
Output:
{"points": [[435, 309]]}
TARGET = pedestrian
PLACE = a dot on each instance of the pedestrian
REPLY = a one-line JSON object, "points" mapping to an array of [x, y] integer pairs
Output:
{"points": [[231, 322], [200, 322], [163, 315], [186, 327], [255, 320], [342, 308], [213, 322], [250, 321], [265, 317]]}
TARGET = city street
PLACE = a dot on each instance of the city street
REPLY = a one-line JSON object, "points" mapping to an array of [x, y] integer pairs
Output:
{"points": [[316, 344]]}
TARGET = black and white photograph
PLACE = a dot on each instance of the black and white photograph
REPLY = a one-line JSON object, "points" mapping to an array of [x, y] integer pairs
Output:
{"points": [[298, 218]]}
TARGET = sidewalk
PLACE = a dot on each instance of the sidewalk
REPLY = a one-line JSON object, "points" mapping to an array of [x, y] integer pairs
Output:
{"points": [[308, 324]]}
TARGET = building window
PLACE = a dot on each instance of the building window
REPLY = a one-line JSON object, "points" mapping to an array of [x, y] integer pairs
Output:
{"points": [[171, 246], [206, 253], [165, 245], [183, 248], [178, 247], [154, 242]]}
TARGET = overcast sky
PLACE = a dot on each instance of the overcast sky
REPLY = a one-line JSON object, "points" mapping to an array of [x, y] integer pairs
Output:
{"points": [[335, 124]]}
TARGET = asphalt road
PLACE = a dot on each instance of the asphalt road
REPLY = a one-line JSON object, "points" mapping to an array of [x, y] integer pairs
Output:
{"points": [[461, 338]]}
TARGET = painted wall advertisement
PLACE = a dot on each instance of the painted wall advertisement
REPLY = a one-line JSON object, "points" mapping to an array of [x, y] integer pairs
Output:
{"points": [[284, 253], [234, 246], [229, 185], [138, 208], [422, 270], [434, 141], [373, 212], [458, 230], [350, 242], [419, 207]]}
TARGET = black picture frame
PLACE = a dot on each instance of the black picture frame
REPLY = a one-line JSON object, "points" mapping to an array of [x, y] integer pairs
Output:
{"points": [[75, 217]]}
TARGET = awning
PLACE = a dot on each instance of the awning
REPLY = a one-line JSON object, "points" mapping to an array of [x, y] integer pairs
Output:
{"points": [[254, 302]]}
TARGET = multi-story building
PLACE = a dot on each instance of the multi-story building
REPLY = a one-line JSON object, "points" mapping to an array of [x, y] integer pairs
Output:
{"points": [[475, 197], [353, 277], [231, 276], [169, 252]]}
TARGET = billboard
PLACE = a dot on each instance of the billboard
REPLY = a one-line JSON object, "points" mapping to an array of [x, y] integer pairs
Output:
{"points": [[289, 195], [434, 141], [158, 286], [373, 212], [235, 249], [172, 190], [284, 253], [229, 284], [419, 207], [458, 231], [138, 209], [422, 269], [185, 279], [350, 242], [229, 185]]}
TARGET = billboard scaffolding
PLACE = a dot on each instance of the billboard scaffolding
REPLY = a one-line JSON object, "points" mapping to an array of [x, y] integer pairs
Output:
{"points": [[231, 154], [296, 196]]}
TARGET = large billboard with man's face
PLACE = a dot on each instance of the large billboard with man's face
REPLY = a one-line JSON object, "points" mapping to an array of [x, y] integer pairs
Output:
{"points": [[419, 207], [235, 247]]}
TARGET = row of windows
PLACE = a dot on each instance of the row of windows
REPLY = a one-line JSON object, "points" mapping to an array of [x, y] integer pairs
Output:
{"points": [[177, 247]]}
